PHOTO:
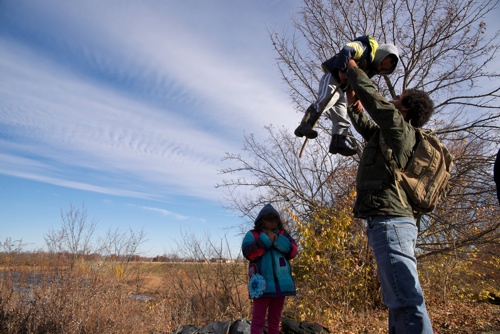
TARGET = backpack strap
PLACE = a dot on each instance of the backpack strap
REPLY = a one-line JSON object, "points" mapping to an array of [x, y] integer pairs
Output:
{"points": [[393, 166], [396, 171]]}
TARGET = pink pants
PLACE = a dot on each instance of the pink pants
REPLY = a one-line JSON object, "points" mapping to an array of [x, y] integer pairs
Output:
{"points": [[273, 307]]}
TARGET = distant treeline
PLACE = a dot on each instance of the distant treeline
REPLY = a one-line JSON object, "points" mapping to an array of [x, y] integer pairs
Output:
{"points": [[112, 257]]}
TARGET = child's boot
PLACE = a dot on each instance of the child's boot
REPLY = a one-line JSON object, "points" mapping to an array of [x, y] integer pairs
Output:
{"points": [[306, 125], [339, 145]]}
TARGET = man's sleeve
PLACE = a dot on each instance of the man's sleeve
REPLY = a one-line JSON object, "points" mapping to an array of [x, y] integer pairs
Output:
{"points": [[392, 125], [381, 111], [363, 125]]}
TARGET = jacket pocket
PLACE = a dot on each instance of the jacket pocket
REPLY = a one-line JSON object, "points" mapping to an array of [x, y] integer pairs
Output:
{"points": [[370, 199]]}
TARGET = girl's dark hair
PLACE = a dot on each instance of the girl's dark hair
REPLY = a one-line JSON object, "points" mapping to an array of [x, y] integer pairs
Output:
{"points": [[259, 223], [420, 106]]}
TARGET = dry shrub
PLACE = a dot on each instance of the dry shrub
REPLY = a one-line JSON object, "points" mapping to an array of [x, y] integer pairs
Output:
{"points": [[468, 276], [87, 296], [206, 291], [40, 293], [66, 303], [334, 270]]}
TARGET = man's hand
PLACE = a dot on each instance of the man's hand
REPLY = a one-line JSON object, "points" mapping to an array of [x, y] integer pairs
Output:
{"points": [[343, 78], [352, 99], [353, 102], [351, 63], [357, 107]]}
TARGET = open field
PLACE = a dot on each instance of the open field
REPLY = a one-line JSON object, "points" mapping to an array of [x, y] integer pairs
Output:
{"points": [[51, 295]]}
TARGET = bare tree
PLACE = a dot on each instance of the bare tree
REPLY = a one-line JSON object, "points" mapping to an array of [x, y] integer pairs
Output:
{"points": [[120, 248], [275, 174], [216, 279], [76, 238], [75, 234], [444, 47], [10, 246], [122, 244], [447, 50]]}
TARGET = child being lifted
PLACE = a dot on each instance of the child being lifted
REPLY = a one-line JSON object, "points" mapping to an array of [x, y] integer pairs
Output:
{"points": [[372, 59]]}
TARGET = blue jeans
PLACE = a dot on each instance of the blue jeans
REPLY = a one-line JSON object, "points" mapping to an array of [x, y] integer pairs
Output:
{"points": [[393, 240]]}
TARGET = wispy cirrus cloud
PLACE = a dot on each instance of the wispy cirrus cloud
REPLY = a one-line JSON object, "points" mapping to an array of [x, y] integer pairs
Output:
{"points": [[125, 97], [166, 213]]}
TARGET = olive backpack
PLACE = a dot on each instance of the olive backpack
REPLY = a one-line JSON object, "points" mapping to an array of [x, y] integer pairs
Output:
{"points": [[425, 177]]}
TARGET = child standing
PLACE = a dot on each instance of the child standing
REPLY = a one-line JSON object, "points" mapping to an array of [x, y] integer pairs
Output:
{"points": [[269, 247], [372, 59]]}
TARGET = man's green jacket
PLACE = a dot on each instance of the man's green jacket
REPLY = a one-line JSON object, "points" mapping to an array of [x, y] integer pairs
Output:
{"points": [[376, 189]]}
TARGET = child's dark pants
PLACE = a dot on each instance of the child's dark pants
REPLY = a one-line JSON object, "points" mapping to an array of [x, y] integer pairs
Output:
{"points": [[273, 307]]}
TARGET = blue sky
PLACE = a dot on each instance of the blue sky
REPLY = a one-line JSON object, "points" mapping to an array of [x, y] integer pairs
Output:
{"points": [[127, 107]]}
